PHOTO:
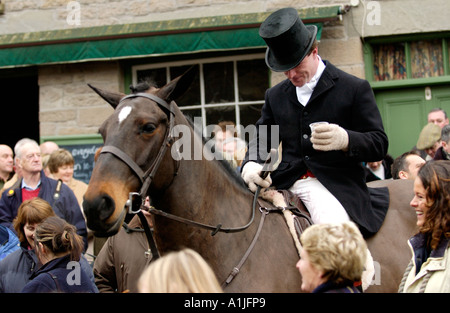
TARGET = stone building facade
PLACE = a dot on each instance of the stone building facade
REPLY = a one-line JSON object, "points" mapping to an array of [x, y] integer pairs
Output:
{"points": [[67, 107]]}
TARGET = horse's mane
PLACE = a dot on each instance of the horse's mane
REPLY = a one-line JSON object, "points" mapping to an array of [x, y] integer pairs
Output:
{"points": [[223, 163], [143, 86]]}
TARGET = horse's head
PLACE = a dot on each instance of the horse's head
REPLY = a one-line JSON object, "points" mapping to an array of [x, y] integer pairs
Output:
{"points": [[133, 136]]}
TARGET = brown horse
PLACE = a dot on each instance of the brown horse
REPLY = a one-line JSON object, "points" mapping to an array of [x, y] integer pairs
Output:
{"points": [[206, 191], [388, 246]]}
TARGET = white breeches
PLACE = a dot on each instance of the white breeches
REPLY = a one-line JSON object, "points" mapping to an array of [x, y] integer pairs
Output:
{"points": [[321, 204]]}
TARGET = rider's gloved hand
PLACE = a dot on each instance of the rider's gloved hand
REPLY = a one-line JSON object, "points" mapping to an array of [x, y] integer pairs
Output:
{"points": [[327, 137], [251, 174]]}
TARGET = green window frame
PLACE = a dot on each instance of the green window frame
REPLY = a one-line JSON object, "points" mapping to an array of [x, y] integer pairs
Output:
{"points": [[406, 41]]}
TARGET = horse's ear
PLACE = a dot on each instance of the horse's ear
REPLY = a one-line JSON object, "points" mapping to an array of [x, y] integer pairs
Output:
{"points": [[110, 97], [178, 86]]}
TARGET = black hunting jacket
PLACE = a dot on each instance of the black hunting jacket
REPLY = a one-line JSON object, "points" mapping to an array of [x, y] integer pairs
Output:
{"points": [[338, 98]]}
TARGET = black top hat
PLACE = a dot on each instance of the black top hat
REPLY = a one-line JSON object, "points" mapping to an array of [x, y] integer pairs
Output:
{"points": [[287, 38]]}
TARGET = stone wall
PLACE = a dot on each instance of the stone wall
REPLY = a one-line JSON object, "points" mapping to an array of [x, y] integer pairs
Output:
{"points": [[39, 15], [67, 106]]}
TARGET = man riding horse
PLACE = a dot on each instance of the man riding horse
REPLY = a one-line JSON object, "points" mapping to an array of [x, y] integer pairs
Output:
{"points": [[322, 167]]}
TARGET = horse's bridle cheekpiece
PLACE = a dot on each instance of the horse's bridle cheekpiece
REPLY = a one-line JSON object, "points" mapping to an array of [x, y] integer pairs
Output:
{"points": [[146, 177]]}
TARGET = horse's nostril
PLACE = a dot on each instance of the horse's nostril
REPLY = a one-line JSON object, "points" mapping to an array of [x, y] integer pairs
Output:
{"points": [[105, 208], [98, 210]]}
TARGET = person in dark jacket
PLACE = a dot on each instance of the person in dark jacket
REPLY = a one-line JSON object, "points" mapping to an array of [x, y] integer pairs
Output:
{"points": [[322, 166], [379, 170], [18, 267], [34, 183], [59, 249]]}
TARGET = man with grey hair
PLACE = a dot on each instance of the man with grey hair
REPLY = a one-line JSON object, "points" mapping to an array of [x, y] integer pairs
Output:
{"points": [[33, 184], [443, 153]]}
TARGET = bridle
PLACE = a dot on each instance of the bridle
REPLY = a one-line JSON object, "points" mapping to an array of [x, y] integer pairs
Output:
{"points": [[147, 177]]}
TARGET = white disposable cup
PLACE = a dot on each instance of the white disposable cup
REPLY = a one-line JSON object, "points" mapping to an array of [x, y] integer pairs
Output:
{"points": [[315, 124]]}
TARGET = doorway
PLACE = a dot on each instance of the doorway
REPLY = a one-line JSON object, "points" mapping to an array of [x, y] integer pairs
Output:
{"points": [[20, 107], [404, 113]]}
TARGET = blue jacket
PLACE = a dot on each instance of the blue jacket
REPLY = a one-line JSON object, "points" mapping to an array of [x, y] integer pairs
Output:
{"points": [[60, 275], [66, 206], [18, 267], [8, 242]]}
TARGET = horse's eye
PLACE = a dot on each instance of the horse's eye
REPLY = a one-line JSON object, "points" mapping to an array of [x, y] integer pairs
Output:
{"points": [[148, 128]]}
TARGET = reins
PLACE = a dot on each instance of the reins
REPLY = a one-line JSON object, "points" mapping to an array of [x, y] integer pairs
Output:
{"points": [[214, 229], [218, 228]]}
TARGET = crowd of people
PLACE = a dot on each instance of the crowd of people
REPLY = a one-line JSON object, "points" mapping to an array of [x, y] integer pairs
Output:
{"points": [[44, 233]]}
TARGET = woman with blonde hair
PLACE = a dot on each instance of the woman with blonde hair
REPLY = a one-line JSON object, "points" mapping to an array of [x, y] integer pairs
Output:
{"points": [[332, 258], [184, 271]]}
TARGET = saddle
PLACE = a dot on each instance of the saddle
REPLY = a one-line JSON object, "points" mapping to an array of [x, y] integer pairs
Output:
{"points": [[297, 216]]}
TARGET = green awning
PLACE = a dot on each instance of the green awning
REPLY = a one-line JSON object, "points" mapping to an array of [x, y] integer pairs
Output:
{"points": [[143, 39]]}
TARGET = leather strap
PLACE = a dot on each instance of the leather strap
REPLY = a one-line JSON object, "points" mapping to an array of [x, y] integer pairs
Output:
{"points": [[237, 268], [148, 233], [152, 97], [126, 159]]}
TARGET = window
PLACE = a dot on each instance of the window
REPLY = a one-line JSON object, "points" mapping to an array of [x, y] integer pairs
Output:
{"points": [[409, 59], [389, 61], [426, 59], [227, 89]]}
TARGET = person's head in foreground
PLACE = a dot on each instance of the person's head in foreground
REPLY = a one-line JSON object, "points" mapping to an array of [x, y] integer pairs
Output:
{"points": [[29, 215], [55, 238], [332, 257], [183, 271]]}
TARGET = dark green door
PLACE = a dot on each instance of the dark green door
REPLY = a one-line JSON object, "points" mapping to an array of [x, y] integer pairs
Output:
{"points": [[405, 111]]}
